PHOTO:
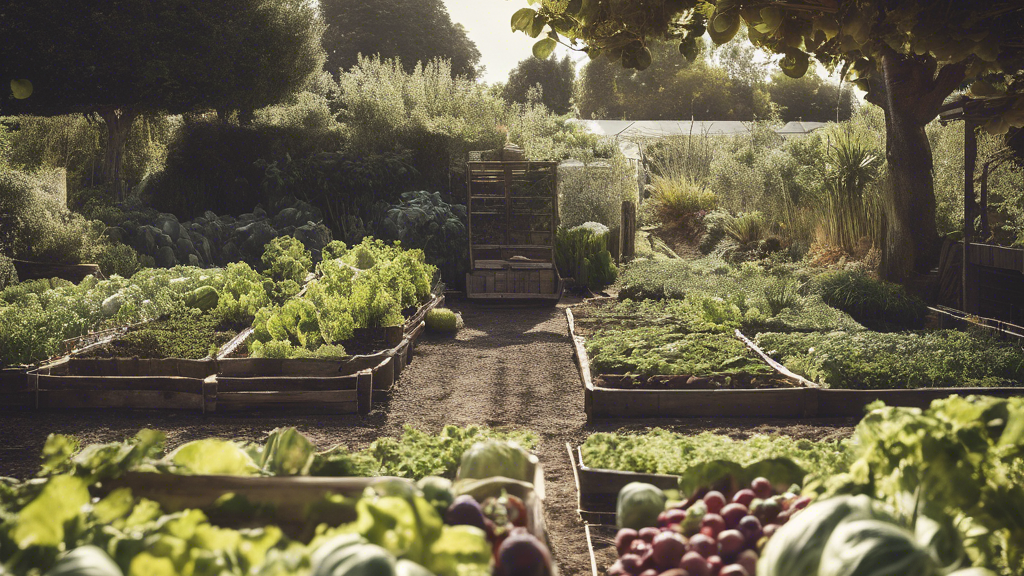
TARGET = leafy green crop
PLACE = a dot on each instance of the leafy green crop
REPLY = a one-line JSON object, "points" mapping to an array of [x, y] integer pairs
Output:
{"points": [[369, 286], [285, 258], [662, 452], [872, 360], [582, 254], [871, 302], [661, 350], [961, 459]]}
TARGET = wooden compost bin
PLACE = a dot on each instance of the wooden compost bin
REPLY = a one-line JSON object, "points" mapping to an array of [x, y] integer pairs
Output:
{"points": [[513, 220], [287, 500], [600, 402]]}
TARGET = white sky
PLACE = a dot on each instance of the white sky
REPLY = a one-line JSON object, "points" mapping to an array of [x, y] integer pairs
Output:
{"points": [[488, 23]]}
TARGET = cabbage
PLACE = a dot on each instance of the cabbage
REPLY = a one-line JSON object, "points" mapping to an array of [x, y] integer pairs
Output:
{"points": [[639, 505], [496, 458], [84, 561], [213, 456], [410, 568], [350, 555], [875, 548], [796, 549], [437, 491]]}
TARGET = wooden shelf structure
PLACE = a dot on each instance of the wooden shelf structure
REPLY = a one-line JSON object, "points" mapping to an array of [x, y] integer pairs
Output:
{"points": [[513, 221]]}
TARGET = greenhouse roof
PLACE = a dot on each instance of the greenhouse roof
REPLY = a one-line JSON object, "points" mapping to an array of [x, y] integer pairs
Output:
{"points": [[628, 131]]}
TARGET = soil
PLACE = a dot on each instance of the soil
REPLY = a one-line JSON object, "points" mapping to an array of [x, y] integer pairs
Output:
{"points": [[510, 367]]}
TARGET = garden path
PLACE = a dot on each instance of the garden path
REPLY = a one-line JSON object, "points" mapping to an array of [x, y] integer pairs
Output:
{"points": [[510, 367]]}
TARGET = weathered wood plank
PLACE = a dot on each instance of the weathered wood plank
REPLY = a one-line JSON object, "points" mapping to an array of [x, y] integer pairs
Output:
{"points": [[268, 383], [135, 399]]}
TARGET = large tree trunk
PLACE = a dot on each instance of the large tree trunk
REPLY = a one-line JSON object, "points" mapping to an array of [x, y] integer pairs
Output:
{"points": [[119, 125], [911, 93]]}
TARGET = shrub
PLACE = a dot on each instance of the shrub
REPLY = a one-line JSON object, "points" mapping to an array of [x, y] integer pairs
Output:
{"points": [[424, 221], [114, 258], [874, 303], [582, 254], [678, 198], [8, 275], [594, 191], [443, 320], [747, 228]]}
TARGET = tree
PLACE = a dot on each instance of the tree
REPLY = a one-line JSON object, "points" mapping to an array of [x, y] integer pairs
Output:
{"points": [[119, 59], [412, 32], [556, 79], [811, 98], [671, 88], [907, 55]]}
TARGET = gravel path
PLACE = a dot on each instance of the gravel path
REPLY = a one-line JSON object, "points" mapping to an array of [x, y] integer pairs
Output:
{"points": [[510, 367]]}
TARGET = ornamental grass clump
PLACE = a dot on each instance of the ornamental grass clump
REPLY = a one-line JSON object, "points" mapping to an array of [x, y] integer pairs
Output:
{"points": [[875, 303], [443, 320]]}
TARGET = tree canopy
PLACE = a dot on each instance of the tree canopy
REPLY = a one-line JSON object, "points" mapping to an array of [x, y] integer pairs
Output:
{"points": [[412, 32], [908, 56], [555, 77], [121, 59]]}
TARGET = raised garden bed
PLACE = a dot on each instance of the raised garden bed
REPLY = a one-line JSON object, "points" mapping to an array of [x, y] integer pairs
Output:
{"points": [[222, 383], [788, 395], [703, 398]]}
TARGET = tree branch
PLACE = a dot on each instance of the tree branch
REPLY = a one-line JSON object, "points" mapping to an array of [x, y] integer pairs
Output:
{"points": [[950, 78]]}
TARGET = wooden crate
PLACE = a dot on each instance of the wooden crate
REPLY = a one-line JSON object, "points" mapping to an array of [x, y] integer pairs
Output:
{"points": [[544, 284], [303, 385]]}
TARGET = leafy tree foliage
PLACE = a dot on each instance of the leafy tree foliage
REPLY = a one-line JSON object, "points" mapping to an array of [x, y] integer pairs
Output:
{"points": [[412, 32], [810, 98], [117, 60], [909, 56], [555, 77]]}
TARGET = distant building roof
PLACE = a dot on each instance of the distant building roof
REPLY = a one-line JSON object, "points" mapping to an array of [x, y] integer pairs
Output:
{"points": [[627, 131]]}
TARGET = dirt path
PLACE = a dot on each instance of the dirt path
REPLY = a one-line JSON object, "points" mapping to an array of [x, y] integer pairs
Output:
{"points": [[510, 367]]}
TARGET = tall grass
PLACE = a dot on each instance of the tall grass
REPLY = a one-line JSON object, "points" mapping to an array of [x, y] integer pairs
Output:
{"points": [[849, 207]]}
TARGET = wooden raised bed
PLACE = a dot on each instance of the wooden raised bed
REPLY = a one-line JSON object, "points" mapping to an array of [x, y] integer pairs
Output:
{"points": [[601, 402], [806, 400], [15, 391], [286, 500], [170, 384], [598, 488], [29, 270]]}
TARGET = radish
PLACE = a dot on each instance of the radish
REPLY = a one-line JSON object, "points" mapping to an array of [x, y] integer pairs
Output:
{"points": [[762, 487], [703, 545], [733, 513], [668, 550], [714, 523], [623, 539], [745, 497], [695, 564], [715, 501], [731, 543], [648, 534], [675, 516], [715, 564], [733, 570], [750, 526]]}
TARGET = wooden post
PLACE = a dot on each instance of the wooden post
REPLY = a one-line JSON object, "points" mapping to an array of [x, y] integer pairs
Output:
{"points": [[627, 232], [364, 392], [969, 279]]}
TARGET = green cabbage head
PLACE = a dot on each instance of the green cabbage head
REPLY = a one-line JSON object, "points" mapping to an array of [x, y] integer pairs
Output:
{"points": [[875, 548], [796, 549], [496, 458], [639, 505]]}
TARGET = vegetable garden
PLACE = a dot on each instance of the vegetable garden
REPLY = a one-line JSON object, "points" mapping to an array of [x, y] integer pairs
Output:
{"points": [[262, 317]]}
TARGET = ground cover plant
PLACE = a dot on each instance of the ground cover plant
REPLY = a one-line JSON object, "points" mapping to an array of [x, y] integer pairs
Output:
{"points": [[872, 360], [874, 303], [52, 522]]}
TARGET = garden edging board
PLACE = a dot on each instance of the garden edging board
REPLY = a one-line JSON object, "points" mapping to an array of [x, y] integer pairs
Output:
{"points": [[598, 488]]}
